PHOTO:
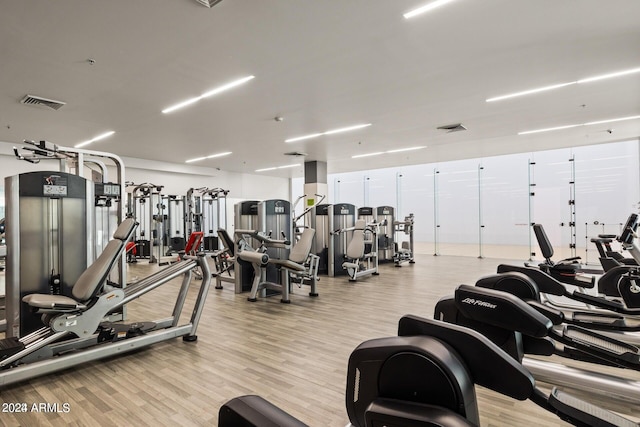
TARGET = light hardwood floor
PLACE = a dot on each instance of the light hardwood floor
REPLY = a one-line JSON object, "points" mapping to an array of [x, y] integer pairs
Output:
{"points": [[294, 355]]}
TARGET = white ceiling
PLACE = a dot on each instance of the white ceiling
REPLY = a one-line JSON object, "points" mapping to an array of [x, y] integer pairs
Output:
{"points": [[321, 65]]}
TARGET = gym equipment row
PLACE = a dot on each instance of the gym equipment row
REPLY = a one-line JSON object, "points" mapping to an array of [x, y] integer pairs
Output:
{"points": [[425, 377]]}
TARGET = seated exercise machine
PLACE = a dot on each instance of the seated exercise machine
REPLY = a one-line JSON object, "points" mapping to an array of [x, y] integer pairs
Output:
{"points": [[427, 377], [404, 251], [608, 257], [76, 322], [297, 266], [567, 270], [224, 259], [362, 250]]}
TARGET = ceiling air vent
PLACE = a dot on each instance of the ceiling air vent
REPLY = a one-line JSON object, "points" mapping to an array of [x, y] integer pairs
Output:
{"points": [[209, 3], [37, 100], [456, 127], [296, 154]]}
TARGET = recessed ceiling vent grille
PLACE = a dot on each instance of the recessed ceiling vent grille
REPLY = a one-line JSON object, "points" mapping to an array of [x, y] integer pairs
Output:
{"points": [[456, 127], [296, 154], [209, 3], [37, 100]]}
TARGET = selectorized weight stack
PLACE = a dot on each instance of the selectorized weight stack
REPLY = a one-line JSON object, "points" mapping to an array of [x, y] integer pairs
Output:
{"points": [[385, 217], [246, 218], [342, 216], [274, 218], [50, 230]]}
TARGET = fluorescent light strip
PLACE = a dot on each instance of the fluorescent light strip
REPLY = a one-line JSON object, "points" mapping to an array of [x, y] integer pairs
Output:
{"points": [[557, 86], [207, 94], [599, 122], [213, 156], [97, 138], [329, 132], [609, 75], [400, 150], [530, 91], [425, 8], [621, 119], [367, 155], [277, 167], [377, 153], [547, 129]]}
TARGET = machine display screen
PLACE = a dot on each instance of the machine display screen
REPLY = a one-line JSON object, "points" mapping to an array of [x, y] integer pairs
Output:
{"points": [[54, 190]]}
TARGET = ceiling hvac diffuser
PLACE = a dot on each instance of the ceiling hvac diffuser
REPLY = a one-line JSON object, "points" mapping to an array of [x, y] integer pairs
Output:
{"points": [[44, 102], [456, 127], [209, 3]]}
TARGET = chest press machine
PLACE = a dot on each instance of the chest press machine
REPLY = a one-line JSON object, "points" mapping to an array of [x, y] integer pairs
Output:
{"points": [[76, 322], [362, 251]]}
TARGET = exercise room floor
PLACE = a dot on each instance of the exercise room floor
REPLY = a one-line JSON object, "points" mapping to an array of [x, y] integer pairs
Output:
{"points": [[294, 355]]}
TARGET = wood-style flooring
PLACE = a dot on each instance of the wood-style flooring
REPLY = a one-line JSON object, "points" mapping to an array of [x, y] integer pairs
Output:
{"points": [[294, 355]]}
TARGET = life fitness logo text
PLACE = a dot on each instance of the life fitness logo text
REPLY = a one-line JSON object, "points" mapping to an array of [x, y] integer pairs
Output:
{"points": [[479, 303]]}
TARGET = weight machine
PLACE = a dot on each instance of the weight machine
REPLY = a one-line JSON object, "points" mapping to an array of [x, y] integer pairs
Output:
{"points": [[404, 250], [362, 251], [94, 218], [73, 329]]}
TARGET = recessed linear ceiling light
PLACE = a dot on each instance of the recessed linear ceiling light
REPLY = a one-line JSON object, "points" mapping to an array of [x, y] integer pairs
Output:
{"points": [[399, 150], [425, 8], [559, 85], [329, 132], [367, 155], [277, 167], [599, 122], [97, 138], [213, 156], [207, 94]]}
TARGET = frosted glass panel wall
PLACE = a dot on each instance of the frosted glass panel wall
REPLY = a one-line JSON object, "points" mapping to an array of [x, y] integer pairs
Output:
{"points": [[457, 206], [348, 188], [607, 191], [575, 193], [382, 188], [504, 193], [551, 178], [416, 194]]}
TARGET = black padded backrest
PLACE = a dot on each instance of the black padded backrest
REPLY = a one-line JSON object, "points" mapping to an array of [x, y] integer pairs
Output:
{"points": [[514, 283], [501, 309], [488, 364], [543, 241], [545, 283], [417, 369], [227, 242]]}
